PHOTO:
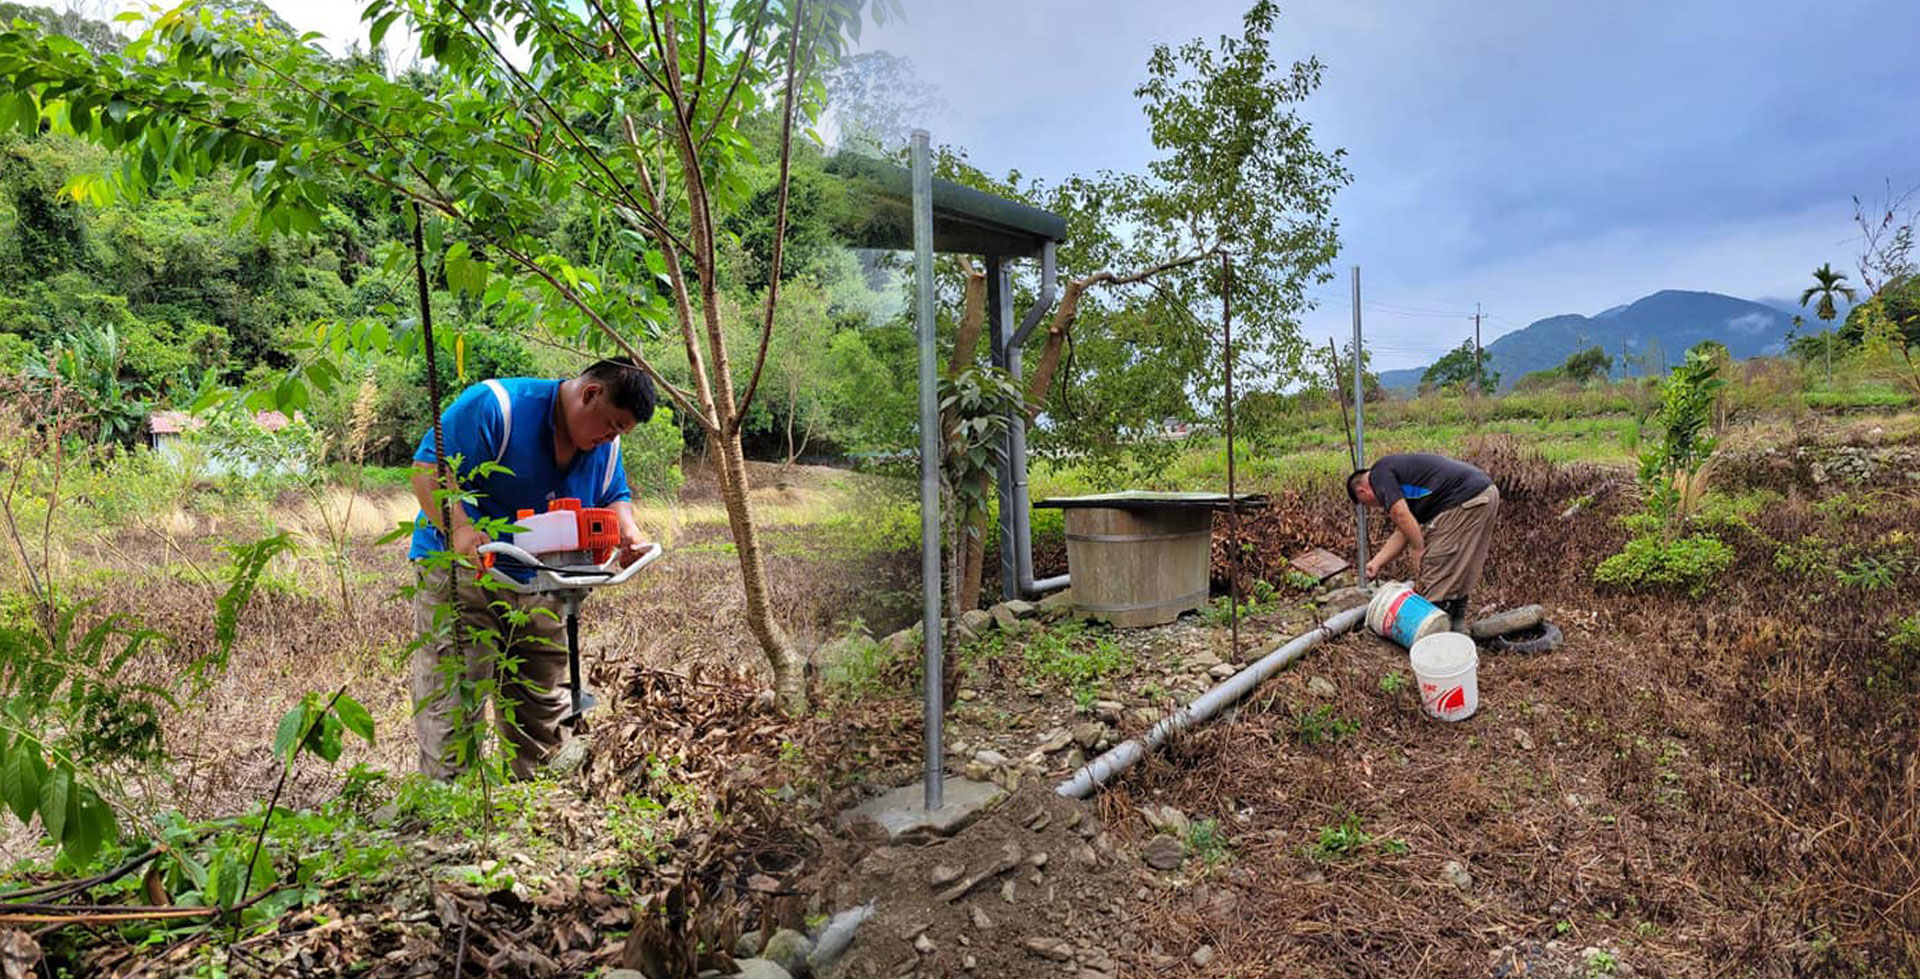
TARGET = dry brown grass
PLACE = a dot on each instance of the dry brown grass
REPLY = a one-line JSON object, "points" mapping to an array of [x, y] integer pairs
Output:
{"points": [[295, 638], [1722, 787]]}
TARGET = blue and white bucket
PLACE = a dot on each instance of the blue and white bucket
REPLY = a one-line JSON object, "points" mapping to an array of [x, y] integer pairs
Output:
{"points": [[1398, 613]]}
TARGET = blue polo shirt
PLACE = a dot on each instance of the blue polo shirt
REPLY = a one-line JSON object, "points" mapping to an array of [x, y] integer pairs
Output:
{"points": [[510, 421]]}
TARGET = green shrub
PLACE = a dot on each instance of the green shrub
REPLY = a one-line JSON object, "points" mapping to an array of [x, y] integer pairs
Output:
{"points": [[1320, 726], [1072, 655], [651, 453], [1723, 511], [856, 665], [1808, 557], [1259, 599], [1340, 840], [1047, 525], [1208, 842], [1905, 641], [1872, 573], [1651, 562]]}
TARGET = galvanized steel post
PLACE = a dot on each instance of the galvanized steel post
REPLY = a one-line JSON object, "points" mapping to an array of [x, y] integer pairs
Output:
{"points": [[1359, 430], [929, 452]]}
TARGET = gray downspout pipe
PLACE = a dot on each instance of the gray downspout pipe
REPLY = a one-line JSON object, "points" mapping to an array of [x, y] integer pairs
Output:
{"points": [[999, 334], [1129, 753], [1021, 505]]}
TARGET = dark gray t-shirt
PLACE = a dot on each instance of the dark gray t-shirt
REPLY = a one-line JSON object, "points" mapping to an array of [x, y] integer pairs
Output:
{"points": [[1429, 483]]}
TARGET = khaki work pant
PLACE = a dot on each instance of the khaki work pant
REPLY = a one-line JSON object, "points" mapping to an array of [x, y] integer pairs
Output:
{"points": [[527, 681], [1457, 542]]}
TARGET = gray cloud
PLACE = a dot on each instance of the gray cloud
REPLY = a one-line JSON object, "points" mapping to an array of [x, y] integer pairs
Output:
{"points": [[1540, 157]]}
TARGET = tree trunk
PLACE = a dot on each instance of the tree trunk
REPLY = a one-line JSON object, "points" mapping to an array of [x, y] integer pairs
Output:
{"points": [[1050, 353], [973, 320], [789, 668], [974, 552], [793, 404]]}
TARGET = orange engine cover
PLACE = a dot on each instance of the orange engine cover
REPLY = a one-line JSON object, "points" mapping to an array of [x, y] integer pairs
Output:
{"points": [[599, 533]]}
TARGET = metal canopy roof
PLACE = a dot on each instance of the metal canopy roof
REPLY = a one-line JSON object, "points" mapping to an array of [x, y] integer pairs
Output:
{"points": [[965, 220]]}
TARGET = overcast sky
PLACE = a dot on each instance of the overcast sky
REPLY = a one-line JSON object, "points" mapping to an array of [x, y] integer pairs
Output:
{"points": [[1536, 156]]}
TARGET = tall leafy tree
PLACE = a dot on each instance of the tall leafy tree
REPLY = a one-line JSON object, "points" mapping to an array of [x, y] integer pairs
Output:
{"points": [[1590, 364], [1458, 370], [1237, 172], [1133, 339], [637, 106], [92, 33]]}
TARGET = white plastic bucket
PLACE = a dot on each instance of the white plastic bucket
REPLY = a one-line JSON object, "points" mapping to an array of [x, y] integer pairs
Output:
{"points": [[1446, 666]]}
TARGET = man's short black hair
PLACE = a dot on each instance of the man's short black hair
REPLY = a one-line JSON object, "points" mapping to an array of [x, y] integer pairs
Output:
{"points": [[1353, 480], [628, 386]]}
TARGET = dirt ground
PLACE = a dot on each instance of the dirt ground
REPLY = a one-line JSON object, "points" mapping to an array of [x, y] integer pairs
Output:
{"points": [[1719, 786], [1708, 786]]}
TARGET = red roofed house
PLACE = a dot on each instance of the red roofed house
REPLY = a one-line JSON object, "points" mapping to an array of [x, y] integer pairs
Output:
{"points": [[166, 431]]}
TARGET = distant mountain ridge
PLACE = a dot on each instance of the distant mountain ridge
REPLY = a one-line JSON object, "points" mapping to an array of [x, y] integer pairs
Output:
{"points": [[1661, 327]]}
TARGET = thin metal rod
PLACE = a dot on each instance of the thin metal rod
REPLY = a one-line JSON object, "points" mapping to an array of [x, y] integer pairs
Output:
{"points": [[1233, 499], [1346, 424], [1359, 432], [576, 688], [929, 454]]}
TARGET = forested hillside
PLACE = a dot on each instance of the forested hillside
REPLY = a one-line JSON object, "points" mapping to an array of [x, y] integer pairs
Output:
{"points": [[151, 303]]}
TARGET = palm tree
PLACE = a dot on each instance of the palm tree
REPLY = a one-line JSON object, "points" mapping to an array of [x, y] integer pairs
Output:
{"points": [[1828, 284]]}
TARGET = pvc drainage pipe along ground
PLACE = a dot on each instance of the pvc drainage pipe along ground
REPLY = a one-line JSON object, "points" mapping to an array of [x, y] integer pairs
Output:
{"points": [[1129, 753]]}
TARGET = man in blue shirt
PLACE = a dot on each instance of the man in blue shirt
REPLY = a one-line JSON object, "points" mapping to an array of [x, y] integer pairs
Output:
{"points": [[1442, 513], [551, 440]]}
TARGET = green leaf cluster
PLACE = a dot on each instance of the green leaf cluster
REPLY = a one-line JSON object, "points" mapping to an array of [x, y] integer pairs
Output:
{"points": [[1459, 369], [314, 726], [1654, 562], [72, 814], [77, 710], [1683, 439]]}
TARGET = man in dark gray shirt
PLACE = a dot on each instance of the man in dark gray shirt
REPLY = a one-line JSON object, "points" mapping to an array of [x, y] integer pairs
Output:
{"points": [[1442, 512]]}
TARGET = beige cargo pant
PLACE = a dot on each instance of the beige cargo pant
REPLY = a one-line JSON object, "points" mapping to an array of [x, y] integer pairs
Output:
{"points": [[1457, 541], [523, 665]]}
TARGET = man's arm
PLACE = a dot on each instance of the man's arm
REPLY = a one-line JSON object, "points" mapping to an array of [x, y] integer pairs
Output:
{"points": [[633, 540], [1389, 549], [473, 427], [464, 538], [1408, 530]]}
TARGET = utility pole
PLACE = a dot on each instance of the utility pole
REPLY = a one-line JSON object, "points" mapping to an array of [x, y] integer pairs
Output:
{"points": [[1359, 431], [1479, 372]]}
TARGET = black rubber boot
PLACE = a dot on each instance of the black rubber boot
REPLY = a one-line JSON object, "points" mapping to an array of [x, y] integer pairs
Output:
{"points": [[1456, 609]]}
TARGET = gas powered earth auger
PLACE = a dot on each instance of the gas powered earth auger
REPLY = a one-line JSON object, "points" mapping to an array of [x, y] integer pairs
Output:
{"points": [[571, 550]]}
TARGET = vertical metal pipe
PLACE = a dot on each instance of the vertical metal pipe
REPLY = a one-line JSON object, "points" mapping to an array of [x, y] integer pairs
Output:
{"points": [[1000, 336], [1233, 498], [1359, 430], [929, 452], [1017, 440]]}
